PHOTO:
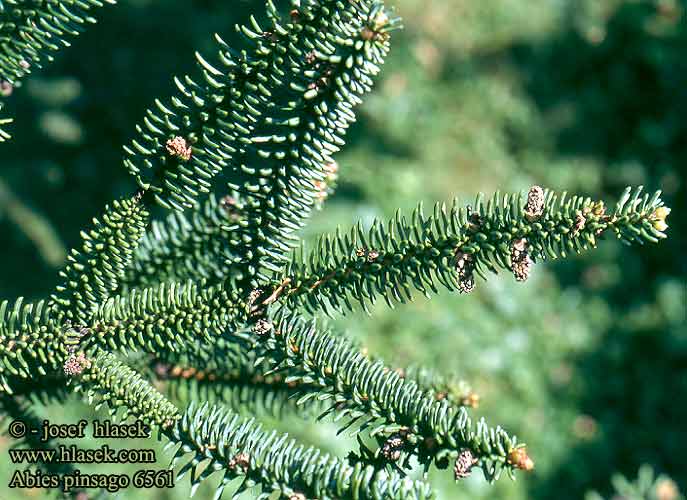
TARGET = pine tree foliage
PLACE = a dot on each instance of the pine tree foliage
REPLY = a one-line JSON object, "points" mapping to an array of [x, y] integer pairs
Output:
{"points": [[107, 381], [32, 29], [447, 247], [220, 441], [212, 302], [187, 246], [243, 449], [270, 118], [95, 272], [369, 395], [28, 341]]}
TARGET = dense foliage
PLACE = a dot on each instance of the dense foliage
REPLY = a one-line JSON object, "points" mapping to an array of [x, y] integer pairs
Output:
{"points": [[464, 105]]}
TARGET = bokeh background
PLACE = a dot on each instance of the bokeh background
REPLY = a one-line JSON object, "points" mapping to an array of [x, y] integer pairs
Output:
{"points": [[587, 362]]}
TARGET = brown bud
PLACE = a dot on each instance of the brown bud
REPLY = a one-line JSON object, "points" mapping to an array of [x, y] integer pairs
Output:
{"points": [[471, 400], [535, 203], [464, 464], [262, 327], [6, 88], [520, 260], [391, 450], [179, 148], [240, 461], [368, 34]]}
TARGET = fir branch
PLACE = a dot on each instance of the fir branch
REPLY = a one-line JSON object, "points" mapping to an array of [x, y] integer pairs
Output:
{"points": [[92, 275], [246, 391], [192, 246], [371, 396], [30, 30], [106, 380], [453, 244], [290, 150], [270, 117], [231, 444], [276, 463], [164, 317], [30, 343]]}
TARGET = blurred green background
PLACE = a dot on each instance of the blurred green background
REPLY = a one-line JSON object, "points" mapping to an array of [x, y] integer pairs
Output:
{"points": [[588, 361]]}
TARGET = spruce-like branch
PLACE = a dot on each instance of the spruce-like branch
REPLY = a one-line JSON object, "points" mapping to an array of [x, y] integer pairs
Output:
{"points": [[188, 246], [164, 317], [92, 275], [240, 448], [219, 440], [30, 343], [452, 245], [106, 380], [270, 117], [372, 396], [196, 292], [245, 392], [30, 30]]}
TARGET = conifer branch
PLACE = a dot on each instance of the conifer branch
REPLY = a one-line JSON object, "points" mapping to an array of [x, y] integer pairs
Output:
{"points": [[164, 317], [275, 463], [92, 275], [240, 448], [30, 30], [106, 380], [29, 342], [192, 246], [371, 396], [212, 298], [270, 118], [244, 390], [452, 245]]}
